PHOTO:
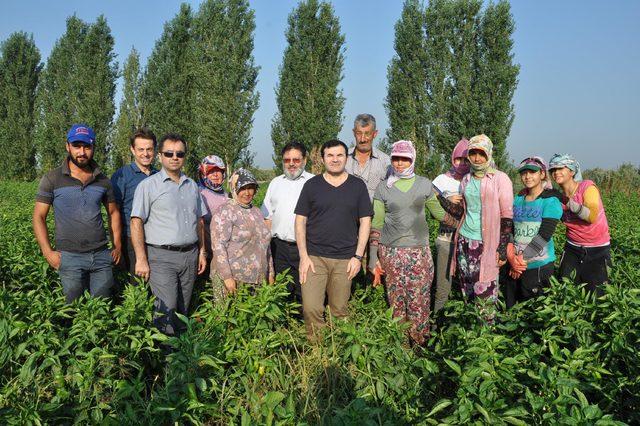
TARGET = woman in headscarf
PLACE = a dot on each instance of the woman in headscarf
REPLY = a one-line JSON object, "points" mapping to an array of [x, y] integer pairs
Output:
{"points": [[448, 186], [241, 239], [400, 238], [486, 225], [211, 174], [536, 213], [587, 252]]}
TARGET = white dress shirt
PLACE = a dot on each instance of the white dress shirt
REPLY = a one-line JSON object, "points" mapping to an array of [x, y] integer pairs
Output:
{"points": [[280, 202]]}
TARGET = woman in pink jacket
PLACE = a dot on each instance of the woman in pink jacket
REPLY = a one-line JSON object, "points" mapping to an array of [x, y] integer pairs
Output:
{"points": [[486, 225]]}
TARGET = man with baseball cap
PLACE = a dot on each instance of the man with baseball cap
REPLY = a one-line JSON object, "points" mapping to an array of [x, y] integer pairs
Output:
{"points": [[77, 190]]}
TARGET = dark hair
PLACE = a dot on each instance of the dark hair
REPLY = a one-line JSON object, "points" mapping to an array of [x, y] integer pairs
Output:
{"points": [[143, 133], [294, 145], [332, 143], [175, 137]]}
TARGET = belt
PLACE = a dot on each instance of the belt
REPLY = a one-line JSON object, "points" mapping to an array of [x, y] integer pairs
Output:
{"points": [[169, 247], [290, 243]]}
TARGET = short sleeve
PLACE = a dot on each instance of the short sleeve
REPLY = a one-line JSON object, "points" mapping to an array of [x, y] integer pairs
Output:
{"points": [[45, 191], [117, 182], [552, 208], [201, 206], [141, 203], [303, 207], [364, 203], [109, 196], [266, 209]]}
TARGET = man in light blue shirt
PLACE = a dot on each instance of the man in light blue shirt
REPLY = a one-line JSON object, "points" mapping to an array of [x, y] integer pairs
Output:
{"points": [[167, 231]]}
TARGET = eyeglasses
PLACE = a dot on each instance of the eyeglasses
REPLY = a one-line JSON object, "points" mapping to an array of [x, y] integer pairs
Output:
{"points": [[292, 160], [170, 154]]}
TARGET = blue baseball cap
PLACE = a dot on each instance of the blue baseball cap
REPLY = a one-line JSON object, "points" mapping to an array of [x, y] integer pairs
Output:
{"points": [[81, 133]]}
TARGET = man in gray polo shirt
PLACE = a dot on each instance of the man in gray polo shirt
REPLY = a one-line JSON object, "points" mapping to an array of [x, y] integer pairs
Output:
{"points": [[167, 214], [364, 161]]}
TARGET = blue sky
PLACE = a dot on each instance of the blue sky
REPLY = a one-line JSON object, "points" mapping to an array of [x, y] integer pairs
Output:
{"points": [[578, 88]]}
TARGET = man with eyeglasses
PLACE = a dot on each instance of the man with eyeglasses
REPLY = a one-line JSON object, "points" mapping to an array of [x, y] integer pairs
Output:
{"points": [[167, 232], [77, 190], [125, 181], [364, 161], [277, 208]]}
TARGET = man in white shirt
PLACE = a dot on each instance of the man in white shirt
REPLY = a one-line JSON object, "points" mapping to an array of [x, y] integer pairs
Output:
{"points": [[277, 208]]}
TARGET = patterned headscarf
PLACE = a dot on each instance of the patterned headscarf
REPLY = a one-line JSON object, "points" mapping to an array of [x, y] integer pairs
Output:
{"points": [[536, 163], [484, 144], [460, 151], [240, 179], [559, 161], [403, 149], [208, 164]]}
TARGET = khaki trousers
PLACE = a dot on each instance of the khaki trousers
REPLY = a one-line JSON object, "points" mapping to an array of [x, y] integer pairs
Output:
{"points": [[330, 279]]}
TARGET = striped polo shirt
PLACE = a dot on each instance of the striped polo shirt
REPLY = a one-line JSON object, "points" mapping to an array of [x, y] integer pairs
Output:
{"points": [[77, 207]]}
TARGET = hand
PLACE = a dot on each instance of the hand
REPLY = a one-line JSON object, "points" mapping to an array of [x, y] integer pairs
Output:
{"points": [[142, 269], [455, 199], [116, 254], [202, 262], [498, 261], [53, 259], [353, 267], [378, 272], [514, 274], [305, 264], [230, 285]]}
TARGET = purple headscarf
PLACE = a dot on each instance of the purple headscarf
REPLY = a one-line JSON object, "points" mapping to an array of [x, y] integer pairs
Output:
{"points": [[460, 151]]}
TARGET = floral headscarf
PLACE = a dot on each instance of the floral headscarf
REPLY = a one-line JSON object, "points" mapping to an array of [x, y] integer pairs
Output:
{"points": [[484, 144], [208, 164], [403, 149]]}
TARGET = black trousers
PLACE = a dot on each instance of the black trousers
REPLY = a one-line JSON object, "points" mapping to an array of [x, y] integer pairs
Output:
{"points": [[531, 284], [589, 264], [285, 256]]}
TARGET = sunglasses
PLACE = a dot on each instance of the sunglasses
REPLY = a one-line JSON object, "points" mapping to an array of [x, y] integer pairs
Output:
{"points": [[291, 160], [170, 154]]}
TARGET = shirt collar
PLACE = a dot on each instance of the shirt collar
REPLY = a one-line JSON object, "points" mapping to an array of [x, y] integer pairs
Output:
{"points": [[136, 169], [304, 175], [373, 154], [164, 176]]}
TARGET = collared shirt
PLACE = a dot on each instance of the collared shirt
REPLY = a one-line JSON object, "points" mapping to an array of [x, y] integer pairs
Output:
{"points": [[279, 203], [375, 170], [125, 181], [76, 207], [170, 211]]}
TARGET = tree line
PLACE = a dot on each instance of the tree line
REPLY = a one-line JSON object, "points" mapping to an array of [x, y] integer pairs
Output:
{"points": [[452, 76]]}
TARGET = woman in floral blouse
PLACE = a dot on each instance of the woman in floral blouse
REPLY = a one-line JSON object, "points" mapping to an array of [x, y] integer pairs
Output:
{"points": [[240, 239]]}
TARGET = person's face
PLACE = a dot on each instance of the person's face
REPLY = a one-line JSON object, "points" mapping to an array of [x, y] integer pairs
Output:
{"points": [[143, 151], [459, 160], [400, 164], [562, 175], [477, 156], [531, 179], [80, 153], [173, 148], [364, 137], [216, 176], [293, 163], [246, 194], [335, 159]]}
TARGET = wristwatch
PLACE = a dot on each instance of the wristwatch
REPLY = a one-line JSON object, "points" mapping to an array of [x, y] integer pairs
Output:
{"points": [[357, 257]]}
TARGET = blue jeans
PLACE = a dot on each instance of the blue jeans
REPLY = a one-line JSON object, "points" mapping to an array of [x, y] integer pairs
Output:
{"points": [[86, 271]]}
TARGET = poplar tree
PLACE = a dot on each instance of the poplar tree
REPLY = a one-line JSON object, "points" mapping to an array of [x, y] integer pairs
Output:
{"points": [[406, 99], [129, 113], [167, 89], [225, 78], [19, 70], [309, 101], [57, 96], [497, 76]]}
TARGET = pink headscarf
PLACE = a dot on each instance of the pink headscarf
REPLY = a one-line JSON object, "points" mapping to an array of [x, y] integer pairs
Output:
{"points": [[403, 149], [460, 151]]}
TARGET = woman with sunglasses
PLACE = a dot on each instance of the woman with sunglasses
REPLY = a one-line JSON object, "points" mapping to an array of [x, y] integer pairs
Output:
{"points": [[447, 185], [241, 239], [536, 213], [586, 253], [211, 174], [400, 238], [485, 227]]}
